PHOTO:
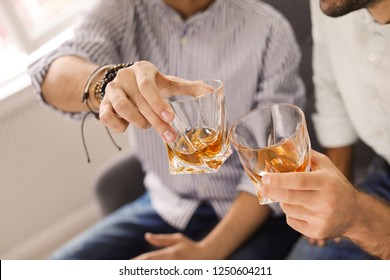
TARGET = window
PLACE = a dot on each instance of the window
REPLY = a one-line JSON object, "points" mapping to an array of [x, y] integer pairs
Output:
{"points": [[25, 25]]}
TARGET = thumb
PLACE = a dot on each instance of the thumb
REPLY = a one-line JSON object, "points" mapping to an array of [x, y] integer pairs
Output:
{"points": [[163, 240], [319, 161]]}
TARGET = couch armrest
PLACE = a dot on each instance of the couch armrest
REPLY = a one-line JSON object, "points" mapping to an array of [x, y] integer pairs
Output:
{"points": [[118, 182]]}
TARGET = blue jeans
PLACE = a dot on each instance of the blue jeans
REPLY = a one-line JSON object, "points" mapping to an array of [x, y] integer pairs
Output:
{"points": [[121, 234], [376, 183]]}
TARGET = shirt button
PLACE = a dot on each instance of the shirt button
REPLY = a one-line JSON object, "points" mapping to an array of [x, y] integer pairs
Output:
{"points": [[371, 57]]}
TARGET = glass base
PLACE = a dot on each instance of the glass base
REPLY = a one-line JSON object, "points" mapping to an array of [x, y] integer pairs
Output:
{"points": [[177, 166], [265, 200]]}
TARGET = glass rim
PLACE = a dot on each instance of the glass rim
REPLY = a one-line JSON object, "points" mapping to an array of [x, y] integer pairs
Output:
{"points": [[263, 107], [192, 98]]}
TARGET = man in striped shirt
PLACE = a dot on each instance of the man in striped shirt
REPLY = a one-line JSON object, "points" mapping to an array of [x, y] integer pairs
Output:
{"points": [[247, 45]]}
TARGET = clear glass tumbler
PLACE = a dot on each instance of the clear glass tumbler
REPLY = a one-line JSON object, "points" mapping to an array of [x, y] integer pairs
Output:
{"points": [[272, 138], [202, 144]]}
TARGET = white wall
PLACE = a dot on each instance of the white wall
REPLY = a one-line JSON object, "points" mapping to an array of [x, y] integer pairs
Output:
{"points": [[46, 192]]}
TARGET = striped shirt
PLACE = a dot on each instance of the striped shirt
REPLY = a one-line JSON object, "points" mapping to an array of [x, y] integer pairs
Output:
{"points": [[246, 44]]}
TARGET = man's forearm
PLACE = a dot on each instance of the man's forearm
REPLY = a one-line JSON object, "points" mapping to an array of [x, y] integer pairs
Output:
{"points": [[371, 227], [64, 84], [242, 220]]}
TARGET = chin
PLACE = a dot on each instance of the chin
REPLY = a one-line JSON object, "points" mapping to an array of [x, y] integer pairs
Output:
{"points": [[337, 8]]}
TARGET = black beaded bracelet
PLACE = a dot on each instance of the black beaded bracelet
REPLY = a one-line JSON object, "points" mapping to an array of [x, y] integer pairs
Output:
{"points": [[88, 85], [112, 69], [109, 75]]}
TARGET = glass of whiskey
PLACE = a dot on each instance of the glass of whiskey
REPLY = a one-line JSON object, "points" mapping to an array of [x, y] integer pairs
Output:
{"points": [[271, 138], [202, 144]]}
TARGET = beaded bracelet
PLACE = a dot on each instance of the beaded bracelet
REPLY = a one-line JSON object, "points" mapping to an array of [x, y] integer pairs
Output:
{"points": [[109, 75], [88, 86], [85, 97]]}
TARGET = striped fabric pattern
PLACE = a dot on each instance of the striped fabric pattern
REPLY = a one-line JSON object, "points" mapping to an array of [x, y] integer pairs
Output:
{"points": [[246, 44]]}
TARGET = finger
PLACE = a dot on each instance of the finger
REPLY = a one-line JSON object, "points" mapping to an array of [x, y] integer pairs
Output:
{"points": [[297, 212], [337, 240], [315, 242], [162, 127], [146, 99], [172, 86], [155, 255], [301, 180], [163, 240], [321, 243], [124, 107], [299, 225], [311, 241], [110, 119], [290, 196], [293, 180], [319, 161], [146, 83]]}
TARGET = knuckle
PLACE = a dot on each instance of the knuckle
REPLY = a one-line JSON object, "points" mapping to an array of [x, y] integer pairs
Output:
{"points": [[140, 122], [119, 127], [109, 89], [318, 229], [291, 222], [122, 74], [108, 121], [141, 64], [144, 84], [119, 106], [111, 86], [104, 117], [286, 208]]}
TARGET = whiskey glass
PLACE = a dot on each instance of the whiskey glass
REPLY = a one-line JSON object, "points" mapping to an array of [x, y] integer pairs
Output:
{"points": [[202, 144], [271, 138]]}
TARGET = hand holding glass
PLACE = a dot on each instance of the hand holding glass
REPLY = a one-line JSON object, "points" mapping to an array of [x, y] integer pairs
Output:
{"points": [[272, 138], [202, 144]]}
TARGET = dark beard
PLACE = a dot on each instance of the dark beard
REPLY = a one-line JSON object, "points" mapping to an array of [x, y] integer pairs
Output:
{"points": [[344, 7]]}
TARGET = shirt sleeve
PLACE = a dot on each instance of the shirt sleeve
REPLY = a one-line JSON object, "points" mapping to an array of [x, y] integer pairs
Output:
{"points": [[331, 121], [279, 79], [97, 39]]}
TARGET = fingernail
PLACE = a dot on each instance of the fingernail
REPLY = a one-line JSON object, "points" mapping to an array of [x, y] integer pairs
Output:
{"points": [[167, 116], [169, 135], [266, 180]]}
